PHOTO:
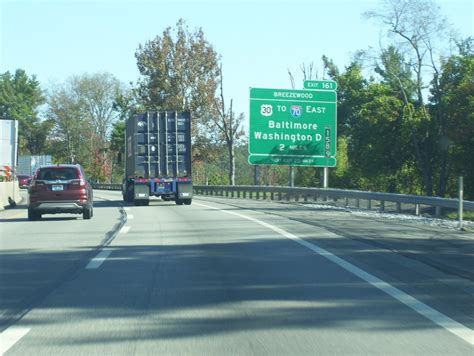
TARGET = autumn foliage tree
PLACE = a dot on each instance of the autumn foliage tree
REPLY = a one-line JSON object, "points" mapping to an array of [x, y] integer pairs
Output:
{"points": [[179, 71]]}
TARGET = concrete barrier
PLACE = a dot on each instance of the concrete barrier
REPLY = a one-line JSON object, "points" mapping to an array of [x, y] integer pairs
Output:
{"points": [[9, 191]]}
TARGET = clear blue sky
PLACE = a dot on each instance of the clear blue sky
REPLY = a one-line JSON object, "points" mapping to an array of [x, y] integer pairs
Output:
{"points": [[258, 40]]}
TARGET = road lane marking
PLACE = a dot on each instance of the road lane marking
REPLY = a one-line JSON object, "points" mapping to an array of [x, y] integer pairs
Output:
{"points": [[10, 337], [99, 259], [124, 230], [127, 209], [421, 308], [130, 217]]}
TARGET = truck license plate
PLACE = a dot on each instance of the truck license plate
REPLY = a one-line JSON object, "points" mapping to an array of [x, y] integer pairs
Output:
{"points": [[56, 188]]}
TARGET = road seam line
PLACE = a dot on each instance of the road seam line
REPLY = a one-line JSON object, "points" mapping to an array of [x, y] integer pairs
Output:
{"points": [[421, 308], [104, 252], [11, 336]]}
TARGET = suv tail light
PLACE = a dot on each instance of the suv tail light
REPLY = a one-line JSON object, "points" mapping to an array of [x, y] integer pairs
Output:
{"points": [[37, 185], [78, 184]]}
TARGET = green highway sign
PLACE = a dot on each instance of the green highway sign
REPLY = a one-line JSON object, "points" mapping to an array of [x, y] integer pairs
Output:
{"points": [[292, 127], [293, 161], [320, 84]]}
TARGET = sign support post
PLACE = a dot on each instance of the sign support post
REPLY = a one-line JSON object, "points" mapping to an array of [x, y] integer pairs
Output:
{"points": [[257, 175]]}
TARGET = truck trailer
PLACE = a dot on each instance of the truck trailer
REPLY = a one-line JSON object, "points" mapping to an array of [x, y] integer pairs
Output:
{"points": [[158, 157], [27, 165]]}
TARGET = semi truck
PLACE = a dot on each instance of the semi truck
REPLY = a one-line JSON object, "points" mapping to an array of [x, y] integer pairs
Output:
{"points": [[158, 157]]}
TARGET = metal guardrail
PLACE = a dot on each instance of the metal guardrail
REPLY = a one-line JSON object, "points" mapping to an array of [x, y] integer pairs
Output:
{"points": [[349, 198], [107, 186]]}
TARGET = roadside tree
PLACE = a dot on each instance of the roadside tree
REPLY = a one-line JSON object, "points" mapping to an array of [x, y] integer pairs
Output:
{"points": [[20, 98], [416, 28]]}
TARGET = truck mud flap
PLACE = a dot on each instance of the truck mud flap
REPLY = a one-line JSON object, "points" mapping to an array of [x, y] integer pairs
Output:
{"points": [[184, 190], [141, 192]]}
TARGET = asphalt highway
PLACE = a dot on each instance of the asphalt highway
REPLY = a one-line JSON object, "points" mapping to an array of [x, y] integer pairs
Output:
{"points": [[231, 277]]}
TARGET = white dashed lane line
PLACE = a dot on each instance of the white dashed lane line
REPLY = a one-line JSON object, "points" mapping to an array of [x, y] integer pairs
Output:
{"points": [[10, 337], [13, 334], [99, 259], [124, 230]]}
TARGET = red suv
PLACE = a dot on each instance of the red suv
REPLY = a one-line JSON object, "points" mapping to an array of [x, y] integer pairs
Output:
{"points": [[60, 189], [24, 181]]}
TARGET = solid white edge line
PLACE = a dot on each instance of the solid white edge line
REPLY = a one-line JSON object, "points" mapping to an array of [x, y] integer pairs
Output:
{"points": [[99, 259], [11, 336], [130, 217], [421, 308]]}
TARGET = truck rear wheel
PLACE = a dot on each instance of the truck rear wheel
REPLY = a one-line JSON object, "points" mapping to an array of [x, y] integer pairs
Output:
{"points": [[129, 196], [188, 201], [179, 202]]}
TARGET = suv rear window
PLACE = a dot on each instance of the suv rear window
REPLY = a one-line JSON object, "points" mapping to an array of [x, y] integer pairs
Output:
{"points": [[62, 173]]}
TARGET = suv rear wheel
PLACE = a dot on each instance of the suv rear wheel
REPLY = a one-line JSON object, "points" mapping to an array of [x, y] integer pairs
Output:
{"points": [[87, 213], [32, 215]]}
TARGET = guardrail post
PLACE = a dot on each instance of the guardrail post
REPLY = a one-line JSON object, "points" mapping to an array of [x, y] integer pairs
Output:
{"points": [[417, 209], [369, 204], [357, 203], [264, 195], [272, 195], [279, 195], [437, 211], [347, 202], [399, 207], [306, 198], [382, 205], [258, 195]]}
